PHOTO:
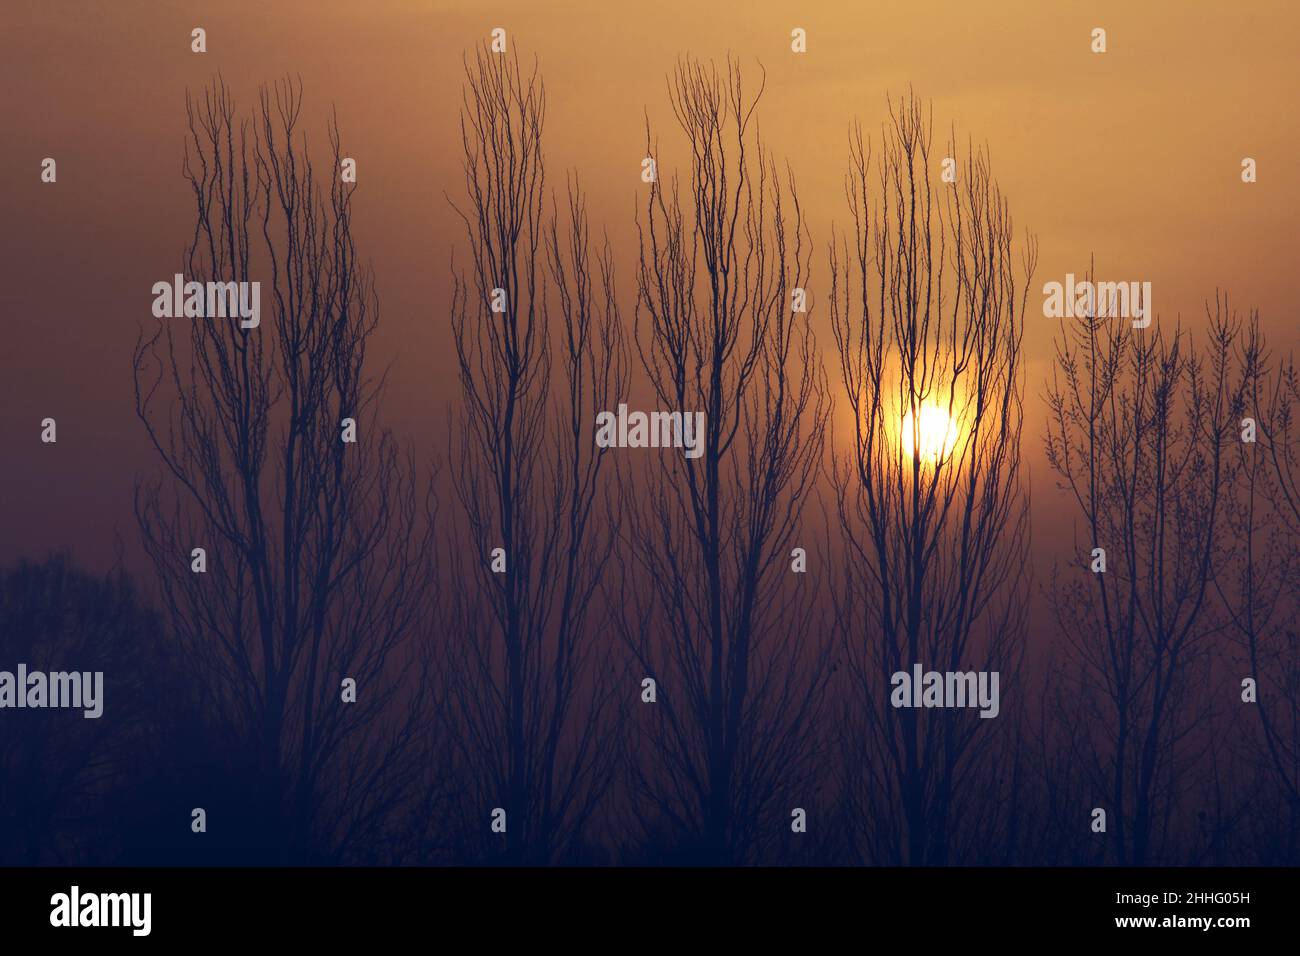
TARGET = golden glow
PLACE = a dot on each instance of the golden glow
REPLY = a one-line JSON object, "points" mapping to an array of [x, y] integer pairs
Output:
{"points": [[935, 436]]}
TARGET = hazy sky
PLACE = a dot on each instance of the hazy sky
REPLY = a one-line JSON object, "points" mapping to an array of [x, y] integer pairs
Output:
{"points": [[1133, 156]]}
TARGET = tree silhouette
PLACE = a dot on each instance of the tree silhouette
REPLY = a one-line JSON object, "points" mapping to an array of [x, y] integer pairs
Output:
{"points": [[927, 308], [713, 612], [1138, 433], [1259, 585], [316, 568], [536, 691]]}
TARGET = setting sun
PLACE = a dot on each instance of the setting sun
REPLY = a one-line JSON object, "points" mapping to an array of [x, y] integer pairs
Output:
{"points": [[936, 435]]}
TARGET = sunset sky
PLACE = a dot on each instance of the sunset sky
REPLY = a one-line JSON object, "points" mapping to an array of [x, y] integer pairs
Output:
{"points": [[1133, 156]]}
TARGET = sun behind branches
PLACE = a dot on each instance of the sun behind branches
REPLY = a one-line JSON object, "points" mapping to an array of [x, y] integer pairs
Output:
{"points": [[932, 432]]}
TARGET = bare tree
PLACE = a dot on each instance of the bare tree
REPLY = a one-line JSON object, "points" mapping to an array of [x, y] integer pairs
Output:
{"points": [[540, 351], [713, 611], [927, 308], [1138, 434], [317, 571], [1283, 443], [1259, 584]]}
